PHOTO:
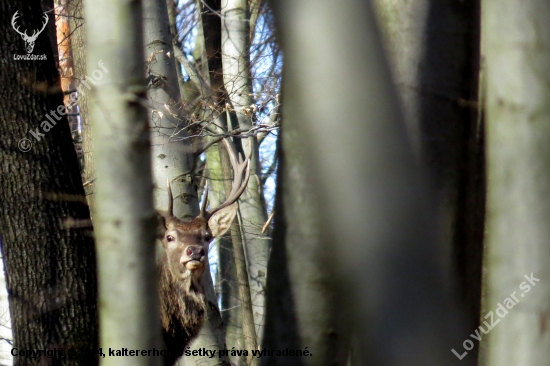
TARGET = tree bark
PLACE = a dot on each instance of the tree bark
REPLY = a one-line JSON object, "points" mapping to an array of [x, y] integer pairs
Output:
{"points": [[77, 25], [237, 81], [65, 63], [125, 221], [217, 96], [516, 49], [172, 154], [301, 303], [49, 257], [227, 285], [172, 158], [241, 272], [433, 48], [377, 214]]}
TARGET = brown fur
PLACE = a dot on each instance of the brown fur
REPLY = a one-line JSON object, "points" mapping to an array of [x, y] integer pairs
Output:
{"points": [[182, 302], [182, 309]]}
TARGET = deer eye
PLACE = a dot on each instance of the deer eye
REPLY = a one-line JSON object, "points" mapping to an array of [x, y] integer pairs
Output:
{"points": [[208, 237], [170, 238]]}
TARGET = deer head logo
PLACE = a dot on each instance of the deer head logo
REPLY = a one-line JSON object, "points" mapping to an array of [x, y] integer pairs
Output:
{"points": [[29, 40]]}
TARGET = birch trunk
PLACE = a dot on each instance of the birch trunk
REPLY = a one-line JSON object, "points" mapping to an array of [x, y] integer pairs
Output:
{"points": [[125, 218], [516, 48], [237, 81]]}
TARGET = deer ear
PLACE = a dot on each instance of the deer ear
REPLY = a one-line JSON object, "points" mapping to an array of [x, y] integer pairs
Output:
{"points": [[161, 225], [221, 220]]}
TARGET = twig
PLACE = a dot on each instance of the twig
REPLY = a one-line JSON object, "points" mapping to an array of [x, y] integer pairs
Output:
{"points": [[266, 225]]}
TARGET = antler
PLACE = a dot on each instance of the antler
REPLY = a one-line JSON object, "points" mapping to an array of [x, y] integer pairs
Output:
{"points": [[24, 35], [239, 184], [15, 27], [170, 199], [35, 33]]}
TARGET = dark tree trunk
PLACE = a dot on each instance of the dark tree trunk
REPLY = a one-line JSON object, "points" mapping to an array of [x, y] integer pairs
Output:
{"points": [[377, 216], [434, 49], [212, 28], [453, 138], [50, 263], [301, 300]]}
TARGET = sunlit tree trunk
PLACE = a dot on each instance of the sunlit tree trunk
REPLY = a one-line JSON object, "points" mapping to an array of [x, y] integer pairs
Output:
{"points": [[235, 287], [238, 81], [65, 62], [241, 274], [172, 157], [78, 42], [125, 219], [172, 154], [227, 283], [516, 49]]}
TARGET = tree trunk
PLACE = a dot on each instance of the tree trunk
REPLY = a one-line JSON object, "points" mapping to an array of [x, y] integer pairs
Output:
{"points": [[65, 64], [78, 42], [433, 48], [237, 311], [516, 49], [237, 80], [172, 158], [125, 219], [241, 272], [377, 216], [300, 290], [48, 252], [227, 284]]}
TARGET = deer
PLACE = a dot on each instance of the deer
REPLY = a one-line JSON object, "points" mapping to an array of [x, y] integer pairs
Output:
{"points": [[29, 40], [181, 291]]}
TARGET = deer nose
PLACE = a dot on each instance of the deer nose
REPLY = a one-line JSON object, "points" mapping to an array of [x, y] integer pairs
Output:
{"points": [[195, 252]]}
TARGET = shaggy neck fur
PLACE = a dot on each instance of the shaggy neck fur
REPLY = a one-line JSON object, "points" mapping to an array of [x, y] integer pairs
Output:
{"points": [[182, 309]]}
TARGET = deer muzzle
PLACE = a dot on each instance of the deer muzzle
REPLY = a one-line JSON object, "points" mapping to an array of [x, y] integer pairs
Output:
{"points": [[194, 257]]}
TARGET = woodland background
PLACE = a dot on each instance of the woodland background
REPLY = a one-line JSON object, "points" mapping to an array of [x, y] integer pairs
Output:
{"points": [[401, 195]]}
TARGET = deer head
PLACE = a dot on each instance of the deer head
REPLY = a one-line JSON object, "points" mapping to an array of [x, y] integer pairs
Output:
{"points": [[182, 303], [186, 242], [29, 40]]}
